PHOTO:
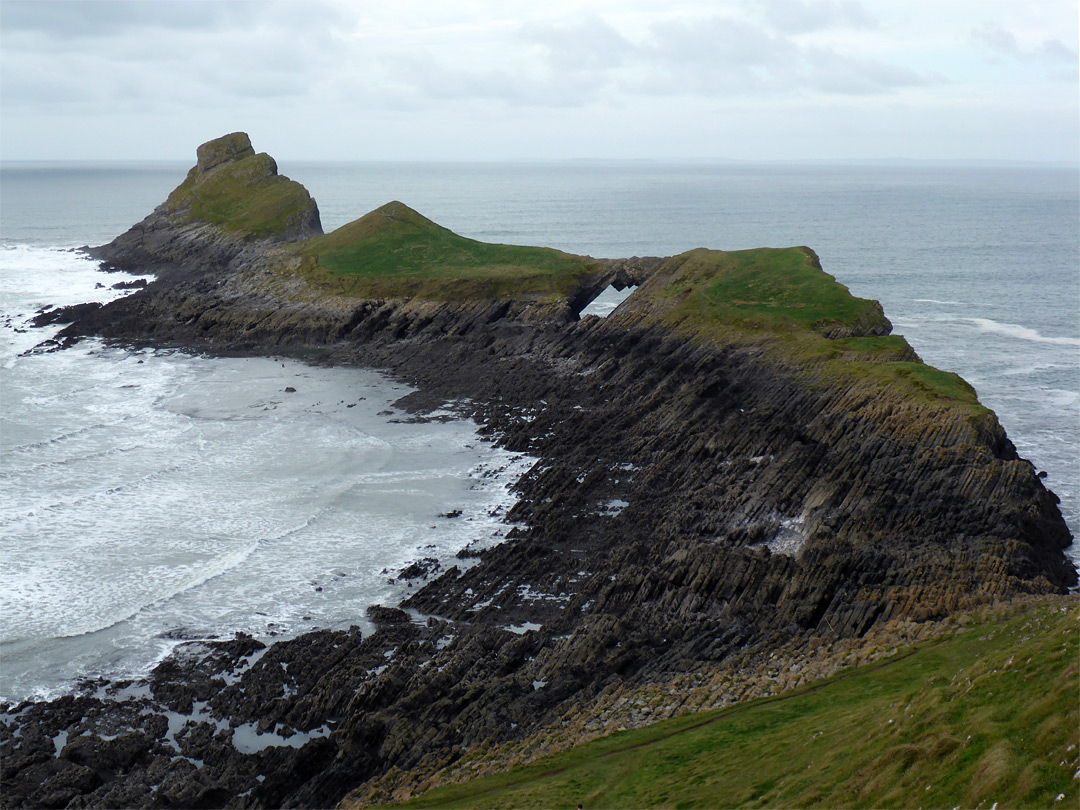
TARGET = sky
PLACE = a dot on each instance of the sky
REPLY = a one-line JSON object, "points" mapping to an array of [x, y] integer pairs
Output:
{"points": [[507, 80]]}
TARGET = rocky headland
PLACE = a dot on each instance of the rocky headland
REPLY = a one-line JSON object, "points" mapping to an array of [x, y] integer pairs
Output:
{"points": [[740, 465]]}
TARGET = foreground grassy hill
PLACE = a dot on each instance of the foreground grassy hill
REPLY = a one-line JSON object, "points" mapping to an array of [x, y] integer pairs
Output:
{"points": [[985, 714]]}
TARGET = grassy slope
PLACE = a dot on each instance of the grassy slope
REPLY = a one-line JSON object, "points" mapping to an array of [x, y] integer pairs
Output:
{"points": [[767, 288], [395, 250], [245, 196], [987, 715], [778, 297], [780, 300]]}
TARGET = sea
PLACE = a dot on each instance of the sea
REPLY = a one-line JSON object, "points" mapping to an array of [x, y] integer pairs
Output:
{"points": [[149, 497]]}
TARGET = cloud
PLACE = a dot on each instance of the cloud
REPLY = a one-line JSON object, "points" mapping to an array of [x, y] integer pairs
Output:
{"points": [[731, 57], [1000, 42], [80, 19], [419, 76], [210, 55], [717, 43], [587, 44], [833, 73], [141, 55], [710, 56], [805, 16], [587, 60], [522, 75]]}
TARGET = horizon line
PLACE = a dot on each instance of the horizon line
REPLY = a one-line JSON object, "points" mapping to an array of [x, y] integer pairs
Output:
{"points": [[825, 161]]}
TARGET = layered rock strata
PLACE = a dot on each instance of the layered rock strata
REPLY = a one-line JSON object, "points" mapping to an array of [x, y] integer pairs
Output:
{"points": [[708, 487]]}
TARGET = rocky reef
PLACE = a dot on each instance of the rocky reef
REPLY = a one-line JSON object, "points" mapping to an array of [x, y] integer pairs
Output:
{"points": [[740, 460]]}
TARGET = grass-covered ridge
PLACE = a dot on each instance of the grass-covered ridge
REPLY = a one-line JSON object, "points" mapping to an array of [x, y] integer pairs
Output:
{"points": [[986, 715], [769, 287], [780, 300], [240, 191], [777, 299], [394, 249]]}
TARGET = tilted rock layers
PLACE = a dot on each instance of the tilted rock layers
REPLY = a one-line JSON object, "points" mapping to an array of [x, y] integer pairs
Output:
{"points": [[699, 491]]}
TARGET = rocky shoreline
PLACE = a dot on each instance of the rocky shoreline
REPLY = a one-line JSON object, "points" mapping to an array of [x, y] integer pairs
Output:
{"points": [[698, 502]]}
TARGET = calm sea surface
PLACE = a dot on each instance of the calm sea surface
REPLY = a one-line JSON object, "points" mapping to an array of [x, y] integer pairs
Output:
{"points": [[149, 497]]}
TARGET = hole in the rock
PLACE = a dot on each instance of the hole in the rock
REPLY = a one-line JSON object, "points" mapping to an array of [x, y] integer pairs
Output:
{"points": [[604, 304]]}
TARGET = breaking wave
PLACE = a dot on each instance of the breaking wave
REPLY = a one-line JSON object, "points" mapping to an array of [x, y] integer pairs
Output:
{"points": [[1020, 332]]}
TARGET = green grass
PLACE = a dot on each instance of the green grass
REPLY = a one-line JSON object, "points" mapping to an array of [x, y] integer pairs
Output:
{"points": [[932, 382], [781, 301], [244, 196], [766, 288], [785, 285], [889, 348], [987, 715], [396, 249]]}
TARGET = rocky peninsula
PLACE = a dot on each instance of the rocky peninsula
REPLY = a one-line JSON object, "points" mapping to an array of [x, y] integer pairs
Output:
{"points": [[740, 465]]}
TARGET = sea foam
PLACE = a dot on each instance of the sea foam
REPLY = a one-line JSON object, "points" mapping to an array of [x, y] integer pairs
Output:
{"points": [[1019, 332], [153, 496]]}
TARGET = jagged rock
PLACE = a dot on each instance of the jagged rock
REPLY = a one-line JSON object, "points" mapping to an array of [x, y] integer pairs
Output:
{"points": [[62, 781], [231, 207], [422, 569], [382, 616], [231, 147], [64, 314], [108, 755], [134, 284]]}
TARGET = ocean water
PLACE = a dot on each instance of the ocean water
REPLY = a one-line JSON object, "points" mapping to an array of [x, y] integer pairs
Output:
{"points": [[149, 497]]}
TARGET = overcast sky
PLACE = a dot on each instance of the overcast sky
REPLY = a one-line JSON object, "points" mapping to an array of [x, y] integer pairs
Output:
{"points": [[502, 79]]}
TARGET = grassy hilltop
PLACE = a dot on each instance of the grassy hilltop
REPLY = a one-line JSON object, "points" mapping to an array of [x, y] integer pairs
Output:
{"points": [[394, 251], [780, 301], [776, 298]]}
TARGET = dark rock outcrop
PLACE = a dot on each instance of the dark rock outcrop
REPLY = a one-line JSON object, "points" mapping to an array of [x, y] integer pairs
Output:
{"points": [[698, 495]]}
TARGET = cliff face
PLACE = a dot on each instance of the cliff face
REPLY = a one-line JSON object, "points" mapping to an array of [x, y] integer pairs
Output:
{"points": [[739, 458]]}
